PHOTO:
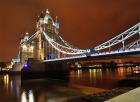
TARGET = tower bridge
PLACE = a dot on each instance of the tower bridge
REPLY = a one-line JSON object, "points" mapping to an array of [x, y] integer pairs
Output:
{"points": [[48, 45]]}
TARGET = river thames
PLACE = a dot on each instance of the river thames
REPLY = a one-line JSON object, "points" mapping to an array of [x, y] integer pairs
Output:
{"points": [[80, 82]]}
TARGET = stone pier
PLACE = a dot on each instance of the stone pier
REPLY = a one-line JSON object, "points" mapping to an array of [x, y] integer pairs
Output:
{"points": [[39, 69]]}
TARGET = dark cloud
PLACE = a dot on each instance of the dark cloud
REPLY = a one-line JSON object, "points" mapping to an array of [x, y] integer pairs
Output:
{"points": [[84, 23]]}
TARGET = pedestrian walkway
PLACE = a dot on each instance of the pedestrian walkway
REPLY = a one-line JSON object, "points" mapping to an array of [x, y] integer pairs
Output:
{"points": [[131, 96]]}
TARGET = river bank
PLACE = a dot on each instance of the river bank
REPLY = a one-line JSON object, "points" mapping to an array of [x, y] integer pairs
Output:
{"points": [[129, 83]]}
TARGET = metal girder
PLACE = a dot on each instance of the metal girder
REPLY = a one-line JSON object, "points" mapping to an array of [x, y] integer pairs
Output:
{"points": [[133, 44], [119, 38]]}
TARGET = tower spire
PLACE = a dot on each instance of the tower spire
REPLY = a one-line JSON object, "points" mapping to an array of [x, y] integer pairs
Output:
{"points": [[56, 19], [27, 33], [38, 18], [42, 15], [21, 36], [47, 11]]}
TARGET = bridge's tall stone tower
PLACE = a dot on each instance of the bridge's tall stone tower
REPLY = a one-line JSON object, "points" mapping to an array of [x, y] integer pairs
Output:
{"points": [[27, 50], [44, 49], [38, 47]]}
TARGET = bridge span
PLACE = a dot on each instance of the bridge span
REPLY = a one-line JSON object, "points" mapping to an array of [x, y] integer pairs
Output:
{"points": [[131, 53], [47, 50], [47, 44]]}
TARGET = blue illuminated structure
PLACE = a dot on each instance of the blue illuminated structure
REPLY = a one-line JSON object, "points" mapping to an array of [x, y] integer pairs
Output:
{"points": [[51, 55], [25, 65]]}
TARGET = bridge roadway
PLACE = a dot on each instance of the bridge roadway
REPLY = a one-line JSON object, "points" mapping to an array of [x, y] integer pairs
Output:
{"points": [[131, 53]]}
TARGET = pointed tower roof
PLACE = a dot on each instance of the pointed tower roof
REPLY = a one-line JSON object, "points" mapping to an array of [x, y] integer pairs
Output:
{"points": [[27, 34], [21, 37], [56, 23], [47, 11], [42, 15], [37, 19], [56, 19], [47, 16]]}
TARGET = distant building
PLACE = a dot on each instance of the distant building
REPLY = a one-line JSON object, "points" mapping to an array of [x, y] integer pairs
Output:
{"points": [[9, 65]]}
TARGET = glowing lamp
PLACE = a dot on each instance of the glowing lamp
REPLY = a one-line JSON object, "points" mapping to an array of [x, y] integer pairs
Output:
{"points": [[31, 47], [24, 46], [25, 65]]}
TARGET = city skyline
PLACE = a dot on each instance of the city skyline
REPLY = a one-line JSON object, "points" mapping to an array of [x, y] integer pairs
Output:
{"points": [[91, 21]]}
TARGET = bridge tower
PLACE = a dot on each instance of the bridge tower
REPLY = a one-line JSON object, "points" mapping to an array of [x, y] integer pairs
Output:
{"points": [[44, 49], [27, 51]]}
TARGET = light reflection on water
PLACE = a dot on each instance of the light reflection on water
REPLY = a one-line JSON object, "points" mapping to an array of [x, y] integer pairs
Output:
{"points": [[15, 90], [93, 73], [30, 97], [99, 77], [6, 82], [23, 97]]}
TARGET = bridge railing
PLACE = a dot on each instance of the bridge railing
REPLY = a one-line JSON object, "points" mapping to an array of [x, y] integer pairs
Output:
{"points": [[116, 51]]}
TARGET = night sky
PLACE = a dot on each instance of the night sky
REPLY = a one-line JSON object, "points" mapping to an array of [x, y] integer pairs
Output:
{"points": [[84, 23]]}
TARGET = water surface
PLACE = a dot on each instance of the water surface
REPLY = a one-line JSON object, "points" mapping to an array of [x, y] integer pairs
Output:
{"points": [[81, 82]]}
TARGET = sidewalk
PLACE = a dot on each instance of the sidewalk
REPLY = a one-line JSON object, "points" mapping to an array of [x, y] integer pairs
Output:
{"points": [[130, 96]]}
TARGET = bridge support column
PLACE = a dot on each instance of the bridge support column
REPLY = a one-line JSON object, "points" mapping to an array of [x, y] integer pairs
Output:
{"points": [[57, 70], [38, 69], [33, 69]]}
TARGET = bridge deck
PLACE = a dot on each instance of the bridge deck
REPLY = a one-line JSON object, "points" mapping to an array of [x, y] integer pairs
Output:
{"points": [[131, 96]]}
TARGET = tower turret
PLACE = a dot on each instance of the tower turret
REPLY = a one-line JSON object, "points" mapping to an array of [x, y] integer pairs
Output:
{"points": [[21, 39], [56, 26], [37, 23], [26, 36], [37, 19], [42, 15], [47, 17], [41, 21]]}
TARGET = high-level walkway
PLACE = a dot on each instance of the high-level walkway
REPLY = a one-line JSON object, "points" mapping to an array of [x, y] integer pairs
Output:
{"points": [[130, 96]]}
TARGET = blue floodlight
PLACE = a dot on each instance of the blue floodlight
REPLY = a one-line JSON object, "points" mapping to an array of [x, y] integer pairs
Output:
{"points": [[51, 55], [25, 65]]}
